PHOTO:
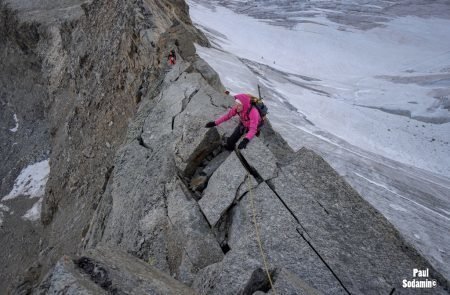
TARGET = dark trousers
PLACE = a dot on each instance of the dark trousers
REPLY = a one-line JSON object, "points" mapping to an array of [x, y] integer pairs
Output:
{"points": [[234, 137]]}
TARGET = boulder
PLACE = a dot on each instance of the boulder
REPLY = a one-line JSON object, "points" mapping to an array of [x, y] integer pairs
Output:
{"points": [[209, 74], [109, 271], [222, 189], [66, 278], [195, 244], [260, 158], [195, 141]]}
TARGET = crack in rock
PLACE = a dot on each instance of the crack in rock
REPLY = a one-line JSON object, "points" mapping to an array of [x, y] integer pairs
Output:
{"points": [[249, 168], [98, 274], [222, 228], [323, 261], [141, 140], [187, 100], [270, 185]]}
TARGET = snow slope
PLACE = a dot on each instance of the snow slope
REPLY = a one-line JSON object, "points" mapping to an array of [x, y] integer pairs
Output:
{"points": [[377, 89]]}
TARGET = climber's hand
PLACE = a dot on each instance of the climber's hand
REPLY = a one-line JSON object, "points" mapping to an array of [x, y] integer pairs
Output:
{"points": [[243, 144], [210, 124]]}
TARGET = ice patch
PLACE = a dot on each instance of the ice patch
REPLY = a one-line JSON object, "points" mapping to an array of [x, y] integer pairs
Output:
{"points": [[35, 212], [17, 124], [417, 236], [397, 207], [404, 198], [31, 181], [445, 211]]}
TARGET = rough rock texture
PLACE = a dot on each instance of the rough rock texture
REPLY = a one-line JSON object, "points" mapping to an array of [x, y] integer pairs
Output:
{"points": [[24, 136], [73, 72], [333, 218], [222, 189], [66, 277], [194, 246], [281, 243], [261, 158], [288, 283], [108, 271], [146, 192]]}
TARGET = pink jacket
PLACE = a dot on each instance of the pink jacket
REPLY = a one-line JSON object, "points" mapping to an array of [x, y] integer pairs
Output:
{"points": [[250, 120]]}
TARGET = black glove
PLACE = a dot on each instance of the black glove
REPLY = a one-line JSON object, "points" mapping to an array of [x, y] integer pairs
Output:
{"points": [[210, 124], [243, 144]]}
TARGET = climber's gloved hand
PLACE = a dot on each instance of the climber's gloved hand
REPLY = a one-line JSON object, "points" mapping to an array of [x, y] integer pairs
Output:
{"points": [[210, 124], [243, 144]]}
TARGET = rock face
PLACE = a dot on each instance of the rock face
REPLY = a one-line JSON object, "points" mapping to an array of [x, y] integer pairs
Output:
{"points": [[108, 271], [143, 199], [24, 137]]}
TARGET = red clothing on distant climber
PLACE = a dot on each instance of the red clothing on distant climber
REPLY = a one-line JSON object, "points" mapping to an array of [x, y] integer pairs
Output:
{"points": [[172, 57]]}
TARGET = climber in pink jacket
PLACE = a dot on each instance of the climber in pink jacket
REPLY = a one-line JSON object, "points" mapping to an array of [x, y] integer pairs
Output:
{"points": [[249, 117]]}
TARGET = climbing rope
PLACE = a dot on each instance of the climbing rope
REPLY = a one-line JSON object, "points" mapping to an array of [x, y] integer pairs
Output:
{"points": [[258, 239]]}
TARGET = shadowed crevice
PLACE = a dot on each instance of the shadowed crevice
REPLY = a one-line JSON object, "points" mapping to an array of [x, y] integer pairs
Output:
{"points": [[259, 281]]}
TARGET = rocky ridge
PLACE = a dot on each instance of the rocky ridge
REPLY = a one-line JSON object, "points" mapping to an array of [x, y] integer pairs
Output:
{"points": [[153, 204]]}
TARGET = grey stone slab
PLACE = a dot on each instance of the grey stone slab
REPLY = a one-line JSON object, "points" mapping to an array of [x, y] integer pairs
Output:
{"points": [[260, 158], [109, 271], [282, 244], [222, 189], [249, 183], [209, 74], [176, 71], [362, 248], [196, 245], [65, 278], [215, 163], [209, 105], [195, 143], [289, 284], [169, 104], [138, 215]]}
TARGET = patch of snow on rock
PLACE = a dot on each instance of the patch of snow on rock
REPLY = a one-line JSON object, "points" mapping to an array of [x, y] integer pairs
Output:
{"points": [[31, 181], [17, 124], [35, 212]]}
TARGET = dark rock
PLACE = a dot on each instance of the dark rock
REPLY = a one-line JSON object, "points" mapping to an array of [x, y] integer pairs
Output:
{"points": [[108, 271], [215, 163], [198, 183], [66, 277]]}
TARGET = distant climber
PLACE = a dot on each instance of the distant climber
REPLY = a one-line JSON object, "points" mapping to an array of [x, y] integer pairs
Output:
{"points": [[172, 57], [250, 121]]}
